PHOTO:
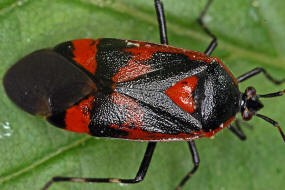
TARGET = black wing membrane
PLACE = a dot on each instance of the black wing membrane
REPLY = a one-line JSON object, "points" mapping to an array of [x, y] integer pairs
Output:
{"points": [[45, 82]]}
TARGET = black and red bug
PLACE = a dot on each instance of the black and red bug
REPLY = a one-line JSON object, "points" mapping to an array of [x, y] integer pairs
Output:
{"points": [[135, 90]]}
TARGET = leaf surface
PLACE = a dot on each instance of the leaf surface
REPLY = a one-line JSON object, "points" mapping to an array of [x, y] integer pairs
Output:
{"points": [[250, 33]]}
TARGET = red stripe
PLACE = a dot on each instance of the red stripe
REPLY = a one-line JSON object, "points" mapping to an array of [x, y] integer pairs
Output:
{"points": [[77, 118], [85, 53]]}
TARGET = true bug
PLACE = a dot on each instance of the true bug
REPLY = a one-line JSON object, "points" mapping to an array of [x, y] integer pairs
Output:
{"points": [[134, 90]]}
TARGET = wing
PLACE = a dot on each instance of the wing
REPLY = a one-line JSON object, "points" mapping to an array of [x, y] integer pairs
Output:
{"points": [[144, 79], [45, 82]]}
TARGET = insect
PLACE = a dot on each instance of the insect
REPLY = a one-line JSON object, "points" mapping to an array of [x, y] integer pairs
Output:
{"points": [[135, 90]]}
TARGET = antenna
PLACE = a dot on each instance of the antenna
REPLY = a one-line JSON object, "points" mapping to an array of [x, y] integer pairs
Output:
{"points": [[280, 93]]}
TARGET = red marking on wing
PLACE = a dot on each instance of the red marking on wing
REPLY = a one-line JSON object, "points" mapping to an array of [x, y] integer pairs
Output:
{"points": [[77, 118], [143, 51], [138, 134], [85, 53], [133, 113], [130, 72], [181, 93]]}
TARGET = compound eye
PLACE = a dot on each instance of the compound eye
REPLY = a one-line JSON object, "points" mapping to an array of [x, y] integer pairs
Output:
{"points": [[250, 91], [247, 115]]}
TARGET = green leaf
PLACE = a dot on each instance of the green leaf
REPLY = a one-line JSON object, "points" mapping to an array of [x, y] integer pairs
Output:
{"points": [[250, 33]]}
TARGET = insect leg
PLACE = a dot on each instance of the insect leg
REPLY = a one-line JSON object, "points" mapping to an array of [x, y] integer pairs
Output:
{"points": [[196, 161], [257, 71], [161, 21], [236, 129], [214, 41], [139, 177]]}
